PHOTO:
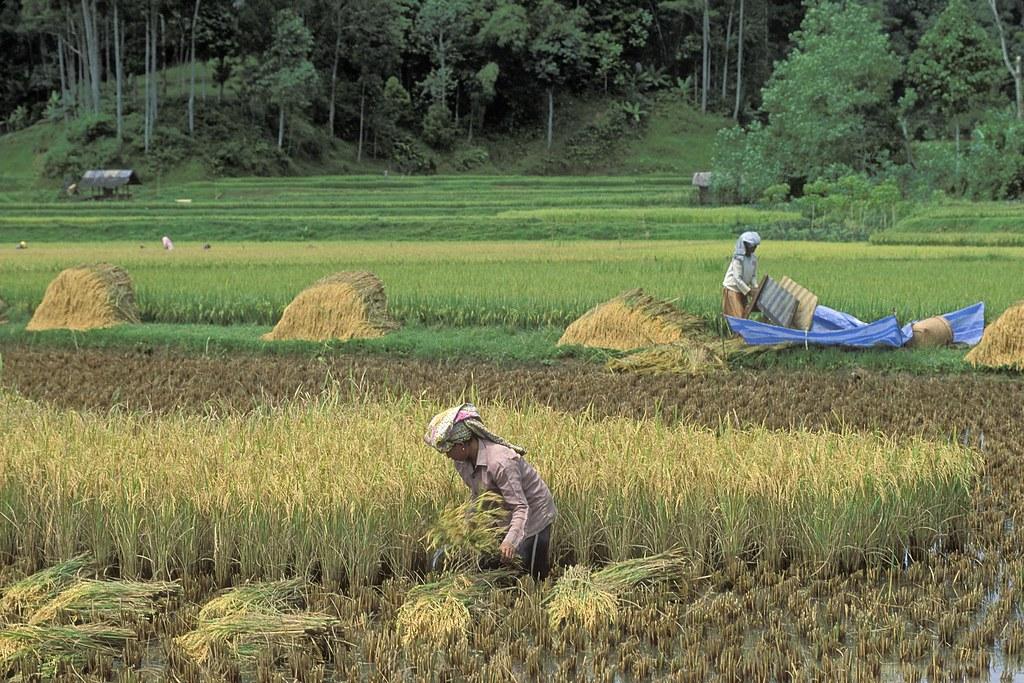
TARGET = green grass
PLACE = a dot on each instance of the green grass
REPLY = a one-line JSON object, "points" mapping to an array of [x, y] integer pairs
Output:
{"points": [[389, 208], [414, 341], [503, 345], [961, 223], [515, 284]]}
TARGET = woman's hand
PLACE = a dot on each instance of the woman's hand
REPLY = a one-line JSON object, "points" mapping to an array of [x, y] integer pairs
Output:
{"points": [[508, 552]]}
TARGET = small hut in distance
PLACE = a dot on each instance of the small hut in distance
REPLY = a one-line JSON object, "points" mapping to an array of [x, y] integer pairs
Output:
{"points": [[106, 184]]}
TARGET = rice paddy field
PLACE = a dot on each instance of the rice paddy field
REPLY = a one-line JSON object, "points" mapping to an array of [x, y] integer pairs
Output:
{"points": [[270, 513]]}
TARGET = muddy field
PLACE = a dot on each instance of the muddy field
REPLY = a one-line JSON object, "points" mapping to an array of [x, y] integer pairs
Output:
{"points": [[952, 616]]}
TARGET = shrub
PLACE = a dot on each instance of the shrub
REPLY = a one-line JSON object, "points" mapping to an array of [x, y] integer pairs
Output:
{"points": [[469, 158], [438, 131], [744, 167], [410, 157]]}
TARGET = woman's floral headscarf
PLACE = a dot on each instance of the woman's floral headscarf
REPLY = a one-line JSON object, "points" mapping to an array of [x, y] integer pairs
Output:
{"points": [[458, 425]]}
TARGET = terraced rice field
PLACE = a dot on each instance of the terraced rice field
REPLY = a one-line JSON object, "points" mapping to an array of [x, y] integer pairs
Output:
{"points": [[827, 526], [515, 284], [947, 611]]}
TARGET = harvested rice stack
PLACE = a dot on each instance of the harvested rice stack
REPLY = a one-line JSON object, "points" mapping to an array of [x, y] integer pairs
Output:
{"points": [[349, 305], [87, 297], [632, 320], [1003, 342], [691, 356]]}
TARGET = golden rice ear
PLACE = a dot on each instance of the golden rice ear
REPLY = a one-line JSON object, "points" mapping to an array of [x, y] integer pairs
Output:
{"points": [[1002, 345], [87, 297], [347, 305]]}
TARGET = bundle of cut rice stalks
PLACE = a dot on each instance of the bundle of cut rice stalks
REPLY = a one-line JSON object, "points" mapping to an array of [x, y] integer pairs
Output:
{"points": [[348, 305], [87, 297], [249, 619], [1002, 344], [287, 595], [594, 597], [440, 611], [245, 635], [632, 320], [29, 593], [466, 533], [50, 649], [692, 356], [91, 600]]}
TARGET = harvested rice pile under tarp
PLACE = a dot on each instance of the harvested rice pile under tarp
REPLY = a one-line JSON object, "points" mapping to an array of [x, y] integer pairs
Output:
{"points": [[1002, 345], [87, 297], [632, 320], [348, 305]]}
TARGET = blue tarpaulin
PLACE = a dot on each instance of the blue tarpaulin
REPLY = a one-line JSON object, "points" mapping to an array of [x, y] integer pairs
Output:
{"points": [[835, 328]]}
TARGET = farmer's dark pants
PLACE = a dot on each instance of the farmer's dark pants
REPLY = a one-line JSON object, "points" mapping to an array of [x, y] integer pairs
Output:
{"points": [[535, 552]]}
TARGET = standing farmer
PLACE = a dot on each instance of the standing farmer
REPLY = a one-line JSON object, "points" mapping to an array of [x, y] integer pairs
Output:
{"points": [[486, 462], [741, 277]]}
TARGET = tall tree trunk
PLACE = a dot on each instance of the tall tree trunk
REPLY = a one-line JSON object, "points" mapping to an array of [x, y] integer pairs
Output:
{"points": [[706, 58], [63, 74], [146, 98], [725, 53], [362, 115], [192, 78], [1014, 72], [162, 23], [154, 91], [92, 51], [739, 66], [118, 75], [334, 78], [280, 125], [551, 114]]}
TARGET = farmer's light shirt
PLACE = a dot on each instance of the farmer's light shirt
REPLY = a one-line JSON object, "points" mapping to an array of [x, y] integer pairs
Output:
{"points": [[505, 472], [741, 274]]}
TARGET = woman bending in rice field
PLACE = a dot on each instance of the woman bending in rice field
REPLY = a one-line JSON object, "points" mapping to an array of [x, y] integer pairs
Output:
{"points": [[488, 463], [741, 277]]}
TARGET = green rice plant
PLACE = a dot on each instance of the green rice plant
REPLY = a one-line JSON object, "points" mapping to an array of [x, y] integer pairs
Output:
{"points": [[90, 600], [594, 597], [51, 649], [28, 594], [441, 611]]}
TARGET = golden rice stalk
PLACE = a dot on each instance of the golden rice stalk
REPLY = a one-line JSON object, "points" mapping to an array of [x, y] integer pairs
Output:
{"points": [[246, 634], [348, 305], [632, 320], [441, 611], [691, 356], [92, 600], [593, 597], [3, 311], [50, 648], [577, 596], [270, 596], [32, 591], [1002, 345], [87, 297], [470, 530]]}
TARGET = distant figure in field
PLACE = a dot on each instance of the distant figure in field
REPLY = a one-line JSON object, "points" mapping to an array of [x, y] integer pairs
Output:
{"points": [[206, 247], [22, 245], [168, 244], [741, 277]]}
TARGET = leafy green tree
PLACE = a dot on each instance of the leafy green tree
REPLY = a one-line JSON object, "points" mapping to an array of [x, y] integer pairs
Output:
{"points": [[955, 67], [830, 101], [286, 76], [559, 49]]}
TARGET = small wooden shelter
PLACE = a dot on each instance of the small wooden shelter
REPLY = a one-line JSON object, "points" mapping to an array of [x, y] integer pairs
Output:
{"points": [[107, 184]]}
